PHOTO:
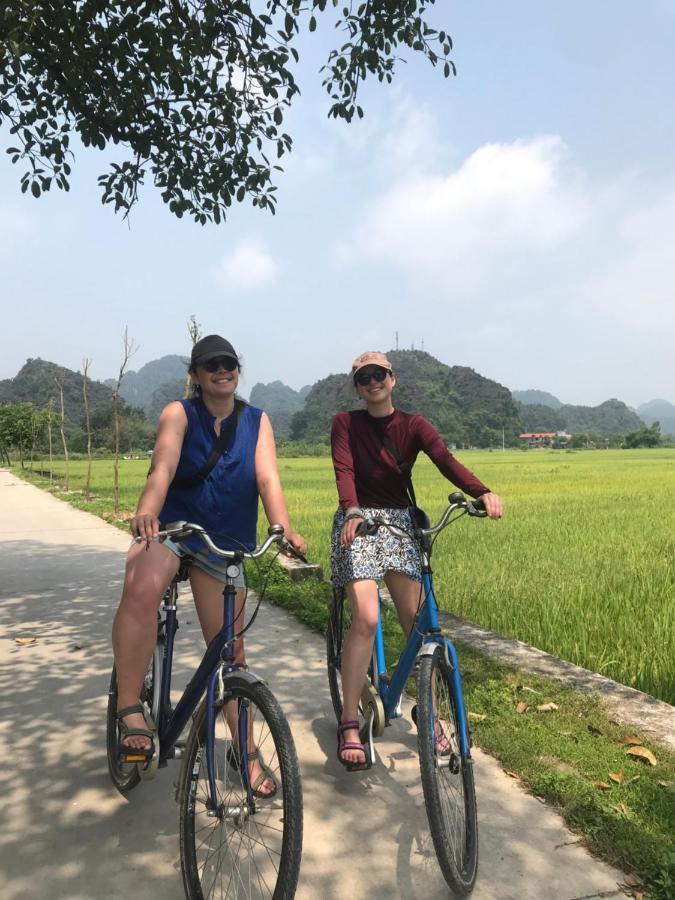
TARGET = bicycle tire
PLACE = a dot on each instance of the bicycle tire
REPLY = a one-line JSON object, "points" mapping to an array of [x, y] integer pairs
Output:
{"points": [[259, 856], [447, 779], [125, 776], [339, 621]]}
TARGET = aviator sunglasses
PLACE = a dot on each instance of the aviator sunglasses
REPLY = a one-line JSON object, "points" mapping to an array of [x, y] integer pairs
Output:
{"points": [[227, 362], [364, 378]]}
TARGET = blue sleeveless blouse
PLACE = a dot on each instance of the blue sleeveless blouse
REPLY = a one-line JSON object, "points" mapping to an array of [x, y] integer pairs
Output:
{"points": [[226, 503]]}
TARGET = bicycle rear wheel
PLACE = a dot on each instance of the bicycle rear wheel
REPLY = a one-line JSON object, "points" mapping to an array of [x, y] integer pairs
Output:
{"points": [[447, 776], [242, 849], [125, 776]]}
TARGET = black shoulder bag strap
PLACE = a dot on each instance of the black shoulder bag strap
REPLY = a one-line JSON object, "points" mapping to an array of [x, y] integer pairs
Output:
{"points": [[404, 468], [225, 438]]}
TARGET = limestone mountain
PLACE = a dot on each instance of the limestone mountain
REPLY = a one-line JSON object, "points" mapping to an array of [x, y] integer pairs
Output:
{"points": [[280, 402], [155, 384], [35, 383], [465, 407]]}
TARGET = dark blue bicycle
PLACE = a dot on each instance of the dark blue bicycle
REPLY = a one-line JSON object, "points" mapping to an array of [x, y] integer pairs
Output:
{"points": [[236, 839], [443, 737]]}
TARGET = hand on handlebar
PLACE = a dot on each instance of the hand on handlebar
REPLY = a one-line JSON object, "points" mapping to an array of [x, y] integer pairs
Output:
{"points": [[144, 527], [296, 545], [493, 506]]}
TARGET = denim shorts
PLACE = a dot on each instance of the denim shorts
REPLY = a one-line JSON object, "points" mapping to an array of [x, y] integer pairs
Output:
{"points": [[216, 568]]}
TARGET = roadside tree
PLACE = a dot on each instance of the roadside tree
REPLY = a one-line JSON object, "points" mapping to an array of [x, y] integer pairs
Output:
{"points": [[195, 91]]}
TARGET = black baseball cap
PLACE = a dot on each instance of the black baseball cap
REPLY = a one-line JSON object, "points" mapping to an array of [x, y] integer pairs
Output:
{"points": [[211, 347]]}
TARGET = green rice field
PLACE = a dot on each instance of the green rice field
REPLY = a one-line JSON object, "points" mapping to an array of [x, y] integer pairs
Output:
{"points": [[582, 565]]}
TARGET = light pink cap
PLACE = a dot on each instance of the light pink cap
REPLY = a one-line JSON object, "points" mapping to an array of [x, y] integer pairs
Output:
{"points": [[370, 358]]}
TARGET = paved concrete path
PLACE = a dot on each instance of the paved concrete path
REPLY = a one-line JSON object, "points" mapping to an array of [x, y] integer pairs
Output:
{"points": [[66, 833]]}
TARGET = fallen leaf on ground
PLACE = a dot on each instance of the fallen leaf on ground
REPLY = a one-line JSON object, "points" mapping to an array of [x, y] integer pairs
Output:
{"points": [[522, 706], [631, 780], [547, 707], [524, 687], [629, 740], [622, 808], [594, 730], [478, 717], [511, 774], [642, 753], [633, 880], [25, 640], [617, 777], [602, 784], [665, 784]]}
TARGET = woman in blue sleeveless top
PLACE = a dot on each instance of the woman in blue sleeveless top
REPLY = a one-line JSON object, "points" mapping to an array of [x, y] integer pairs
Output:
{"points": [[225, 503]]}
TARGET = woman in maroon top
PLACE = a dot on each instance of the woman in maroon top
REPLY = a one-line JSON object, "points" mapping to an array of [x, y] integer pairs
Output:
{"points": [[370, 483]]}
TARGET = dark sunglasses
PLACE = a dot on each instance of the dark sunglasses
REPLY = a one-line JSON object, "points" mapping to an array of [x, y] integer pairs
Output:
{"points": [[226, 362], [364, 378]]}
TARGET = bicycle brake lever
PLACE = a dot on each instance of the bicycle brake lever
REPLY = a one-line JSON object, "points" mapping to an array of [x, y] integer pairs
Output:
{"points": [[286, 545]]}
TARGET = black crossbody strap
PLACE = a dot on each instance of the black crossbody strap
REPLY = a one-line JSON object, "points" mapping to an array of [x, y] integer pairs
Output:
{"points": [[403, 467], [225, 439]]}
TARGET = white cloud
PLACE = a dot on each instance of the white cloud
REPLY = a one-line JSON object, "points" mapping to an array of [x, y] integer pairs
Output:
{"points": [[504, 199], [634, 283], [248, 265]]}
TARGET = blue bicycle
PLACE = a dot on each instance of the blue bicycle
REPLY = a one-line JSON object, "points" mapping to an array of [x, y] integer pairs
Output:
{"points": [[240, 836], [443, 737]]}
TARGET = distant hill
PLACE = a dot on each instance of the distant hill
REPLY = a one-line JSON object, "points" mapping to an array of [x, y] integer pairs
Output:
{"points": [[658, 411], [155, 384], [464, 406], [536, 398], [35, 383], [280, 402], [609, 418]]}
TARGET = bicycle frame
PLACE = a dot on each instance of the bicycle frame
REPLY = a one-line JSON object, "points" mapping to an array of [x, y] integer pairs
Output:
{"points": [[426, 632], [218, 658]]}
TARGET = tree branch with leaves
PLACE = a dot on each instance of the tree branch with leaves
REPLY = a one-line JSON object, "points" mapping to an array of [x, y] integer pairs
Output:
{"points": [[195, 91]]}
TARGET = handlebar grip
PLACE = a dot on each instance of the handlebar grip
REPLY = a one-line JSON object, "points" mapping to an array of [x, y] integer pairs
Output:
{"points": [[368, 526]]}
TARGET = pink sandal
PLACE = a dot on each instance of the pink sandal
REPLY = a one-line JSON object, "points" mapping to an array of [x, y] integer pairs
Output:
{"points": [[350, 745]]}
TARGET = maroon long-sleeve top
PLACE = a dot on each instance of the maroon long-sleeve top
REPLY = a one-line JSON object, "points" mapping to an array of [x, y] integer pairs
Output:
{"points": [[366, 472]]}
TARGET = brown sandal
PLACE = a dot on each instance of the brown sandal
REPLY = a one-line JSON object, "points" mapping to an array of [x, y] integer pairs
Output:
{"points": [[350, 745]]}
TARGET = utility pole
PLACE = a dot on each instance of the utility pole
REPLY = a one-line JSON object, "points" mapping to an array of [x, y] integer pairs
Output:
{"points": [[397, 340]]}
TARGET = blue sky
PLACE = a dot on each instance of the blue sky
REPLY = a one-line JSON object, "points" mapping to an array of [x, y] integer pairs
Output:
{"points": [[518, 219]]}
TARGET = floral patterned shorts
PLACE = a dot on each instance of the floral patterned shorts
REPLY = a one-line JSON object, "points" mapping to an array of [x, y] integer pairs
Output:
{"points": [[372, 556]]}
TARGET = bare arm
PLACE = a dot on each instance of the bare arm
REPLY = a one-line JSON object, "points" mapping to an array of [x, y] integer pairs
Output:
{"points": [[269, 484], [165, 457]]}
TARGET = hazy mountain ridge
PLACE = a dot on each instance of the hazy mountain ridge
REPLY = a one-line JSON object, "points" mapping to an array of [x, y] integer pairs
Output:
{"points": [[465, 406], [536, 398], [658, 411], [608, 418]]}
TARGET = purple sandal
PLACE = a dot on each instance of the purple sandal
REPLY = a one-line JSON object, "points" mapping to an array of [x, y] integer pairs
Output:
{"points": [[350, 745]]}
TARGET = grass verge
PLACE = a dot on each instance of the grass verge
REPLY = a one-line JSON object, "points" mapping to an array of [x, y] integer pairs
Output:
{"points": [[572, 755]]}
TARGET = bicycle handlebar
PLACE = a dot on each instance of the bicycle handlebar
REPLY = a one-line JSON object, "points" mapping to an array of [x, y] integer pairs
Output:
{"points": [[180, 530], [456, 500]]}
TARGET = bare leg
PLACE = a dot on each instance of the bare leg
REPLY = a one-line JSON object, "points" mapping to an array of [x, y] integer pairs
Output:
{"points": [[407, 596], [208, 594], [148, 573], [356, 653]]}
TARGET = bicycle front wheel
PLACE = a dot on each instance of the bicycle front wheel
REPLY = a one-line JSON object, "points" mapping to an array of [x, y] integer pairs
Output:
{"points": [[339, 622], [241, 849], [447, 776]]}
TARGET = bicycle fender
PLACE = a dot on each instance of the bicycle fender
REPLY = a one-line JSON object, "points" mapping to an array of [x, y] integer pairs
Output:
{"points": [[430, 645], [242, 676]]}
